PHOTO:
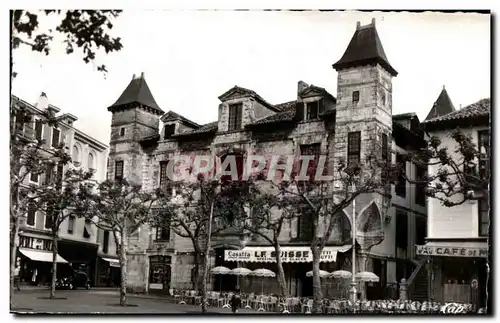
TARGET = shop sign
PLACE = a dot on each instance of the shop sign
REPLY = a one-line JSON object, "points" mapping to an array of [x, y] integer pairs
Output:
{"points": [[288, 254], [453, 308], [452, 251]]}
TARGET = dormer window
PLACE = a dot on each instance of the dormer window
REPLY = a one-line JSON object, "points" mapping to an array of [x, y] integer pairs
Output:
{"points": [[235, 112], [168, 131], [313, 109], [355, 96]]}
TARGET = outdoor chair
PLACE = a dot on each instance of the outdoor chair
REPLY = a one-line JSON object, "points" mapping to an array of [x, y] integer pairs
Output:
{"points": [[248, 300], [184, 296], [307, 306], [272, 303], [177, 295], [226, 300]]}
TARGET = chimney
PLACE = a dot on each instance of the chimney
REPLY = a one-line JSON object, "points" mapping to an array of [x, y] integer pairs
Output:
{"points": [[373, 22], [43, 102], [358, 25], [142, 75], [301, 85], [133, 76]]}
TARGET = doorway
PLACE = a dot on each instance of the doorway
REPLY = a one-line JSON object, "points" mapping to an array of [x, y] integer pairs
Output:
{"points": [[160, 273]]}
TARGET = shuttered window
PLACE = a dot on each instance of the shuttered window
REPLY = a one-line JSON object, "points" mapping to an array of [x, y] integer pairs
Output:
{"points": [[235, 112], [56, 137]]}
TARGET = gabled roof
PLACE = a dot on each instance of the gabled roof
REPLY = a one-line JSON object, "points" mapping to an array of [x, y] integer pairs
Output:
{"points": [[287, 113], [407, 115], [481, 108], [365, 48], [204, 129], [238, 90], [137, 91], [172, 116], [442, 106], [315, 89]]}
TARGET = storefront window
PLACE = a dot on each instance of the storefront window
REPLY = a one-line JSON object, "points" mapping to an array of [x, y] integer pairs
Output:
{"points": [[159, 272]]}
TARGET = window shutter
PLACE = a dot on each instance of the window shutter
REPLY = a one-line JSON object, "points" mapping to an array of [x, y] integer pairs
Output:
{"points": [[55, 137], [321, 106], [299, 111], [38, 129]]}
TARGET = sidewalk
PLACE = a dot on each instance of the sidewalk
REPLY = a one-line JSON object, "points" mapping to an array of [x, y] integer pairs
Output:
{"points": [[31, 288]]}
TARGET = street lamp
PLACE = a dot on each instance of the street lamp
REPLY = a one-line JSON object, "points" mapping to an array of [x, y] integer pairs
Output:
{"points": [[353, 291]]}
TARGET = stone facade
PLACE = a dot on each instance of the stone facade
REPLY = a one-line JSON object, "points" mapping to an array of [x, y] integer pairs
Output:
{"points": [[265, 129]]}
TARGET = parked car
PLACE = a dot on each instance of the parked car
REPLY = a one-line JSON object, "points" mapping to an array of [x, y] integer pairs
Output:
{"points": [[78, 280]]}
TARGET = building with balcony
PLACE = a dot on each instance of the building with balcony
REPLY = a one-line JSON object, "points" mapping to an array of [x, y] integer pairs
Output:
{"points": [[79, 241], [456, 248], [144, 138]]}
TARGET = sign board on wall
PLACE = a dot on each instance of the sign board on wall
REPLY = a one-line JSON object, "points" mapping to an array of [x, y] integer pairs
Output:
{"points": [[288, 254], [449, 251]]}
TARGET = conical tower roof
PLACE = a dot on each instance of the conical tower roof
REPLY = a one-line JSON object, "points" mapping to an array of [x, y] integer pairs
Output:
{"points": [[365, 48], [137, 91], [442, 106]]}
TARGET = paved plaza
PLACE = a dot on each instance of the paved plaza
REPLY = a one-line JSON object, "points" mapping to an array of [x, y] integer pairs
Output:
{"points": [[103, 301]]}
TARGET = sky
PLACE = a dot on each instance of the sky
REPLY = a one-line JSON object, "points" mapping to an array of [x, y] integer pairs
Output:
{"points": [[191, 57]]}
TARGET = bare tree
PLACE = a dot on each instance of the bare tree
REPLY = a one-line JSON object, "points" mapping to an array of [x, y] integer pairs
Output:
{"points": [[454, 174], [200, 210], [28, 158], [188, 215], [122, 208], [269, 212], [62, 196], [323, 202]]}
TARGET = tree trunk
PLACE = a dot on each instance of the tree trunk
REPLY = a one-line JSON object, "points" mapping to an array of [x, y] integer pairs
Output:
{"points": [[281, 272], [14, 232], [54, 265], [197, 267], [317, 292], [123, 267], [205, 261]]}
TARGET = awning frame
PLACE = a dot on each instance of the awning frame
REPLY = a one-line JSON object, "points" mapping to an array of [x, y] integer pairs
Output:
{"points": [[41, 255]]}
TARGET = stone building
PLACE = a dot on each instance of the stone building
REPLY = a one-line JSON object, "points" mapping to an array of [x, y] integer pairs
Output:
{"points": [[316, 122], [81, 244], [456, 247]]}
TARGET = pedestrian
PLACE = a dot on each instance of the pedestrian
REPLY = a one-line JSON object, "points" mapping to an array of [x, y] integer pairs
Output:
{"points": [[235, 303], [33, 277], [16, 278]]}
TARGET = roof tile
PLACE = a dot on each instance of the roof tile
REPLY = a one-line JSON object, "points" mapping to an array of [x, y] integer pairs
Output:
{"points": [[480, 108]]}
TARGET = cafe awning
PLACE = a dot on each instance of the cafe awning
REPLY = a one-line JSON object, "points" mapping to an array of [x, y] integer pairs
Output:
{"points": [[288, 254], [41, 255], [468, 249], [112, 262]]}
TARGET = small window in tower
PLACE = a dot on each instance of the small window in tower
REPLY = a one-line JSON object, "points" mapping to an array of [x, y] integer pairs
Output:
{"points": [[122, 131], [383, 99], [355, 96], [354, 148], [118, 169]]}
